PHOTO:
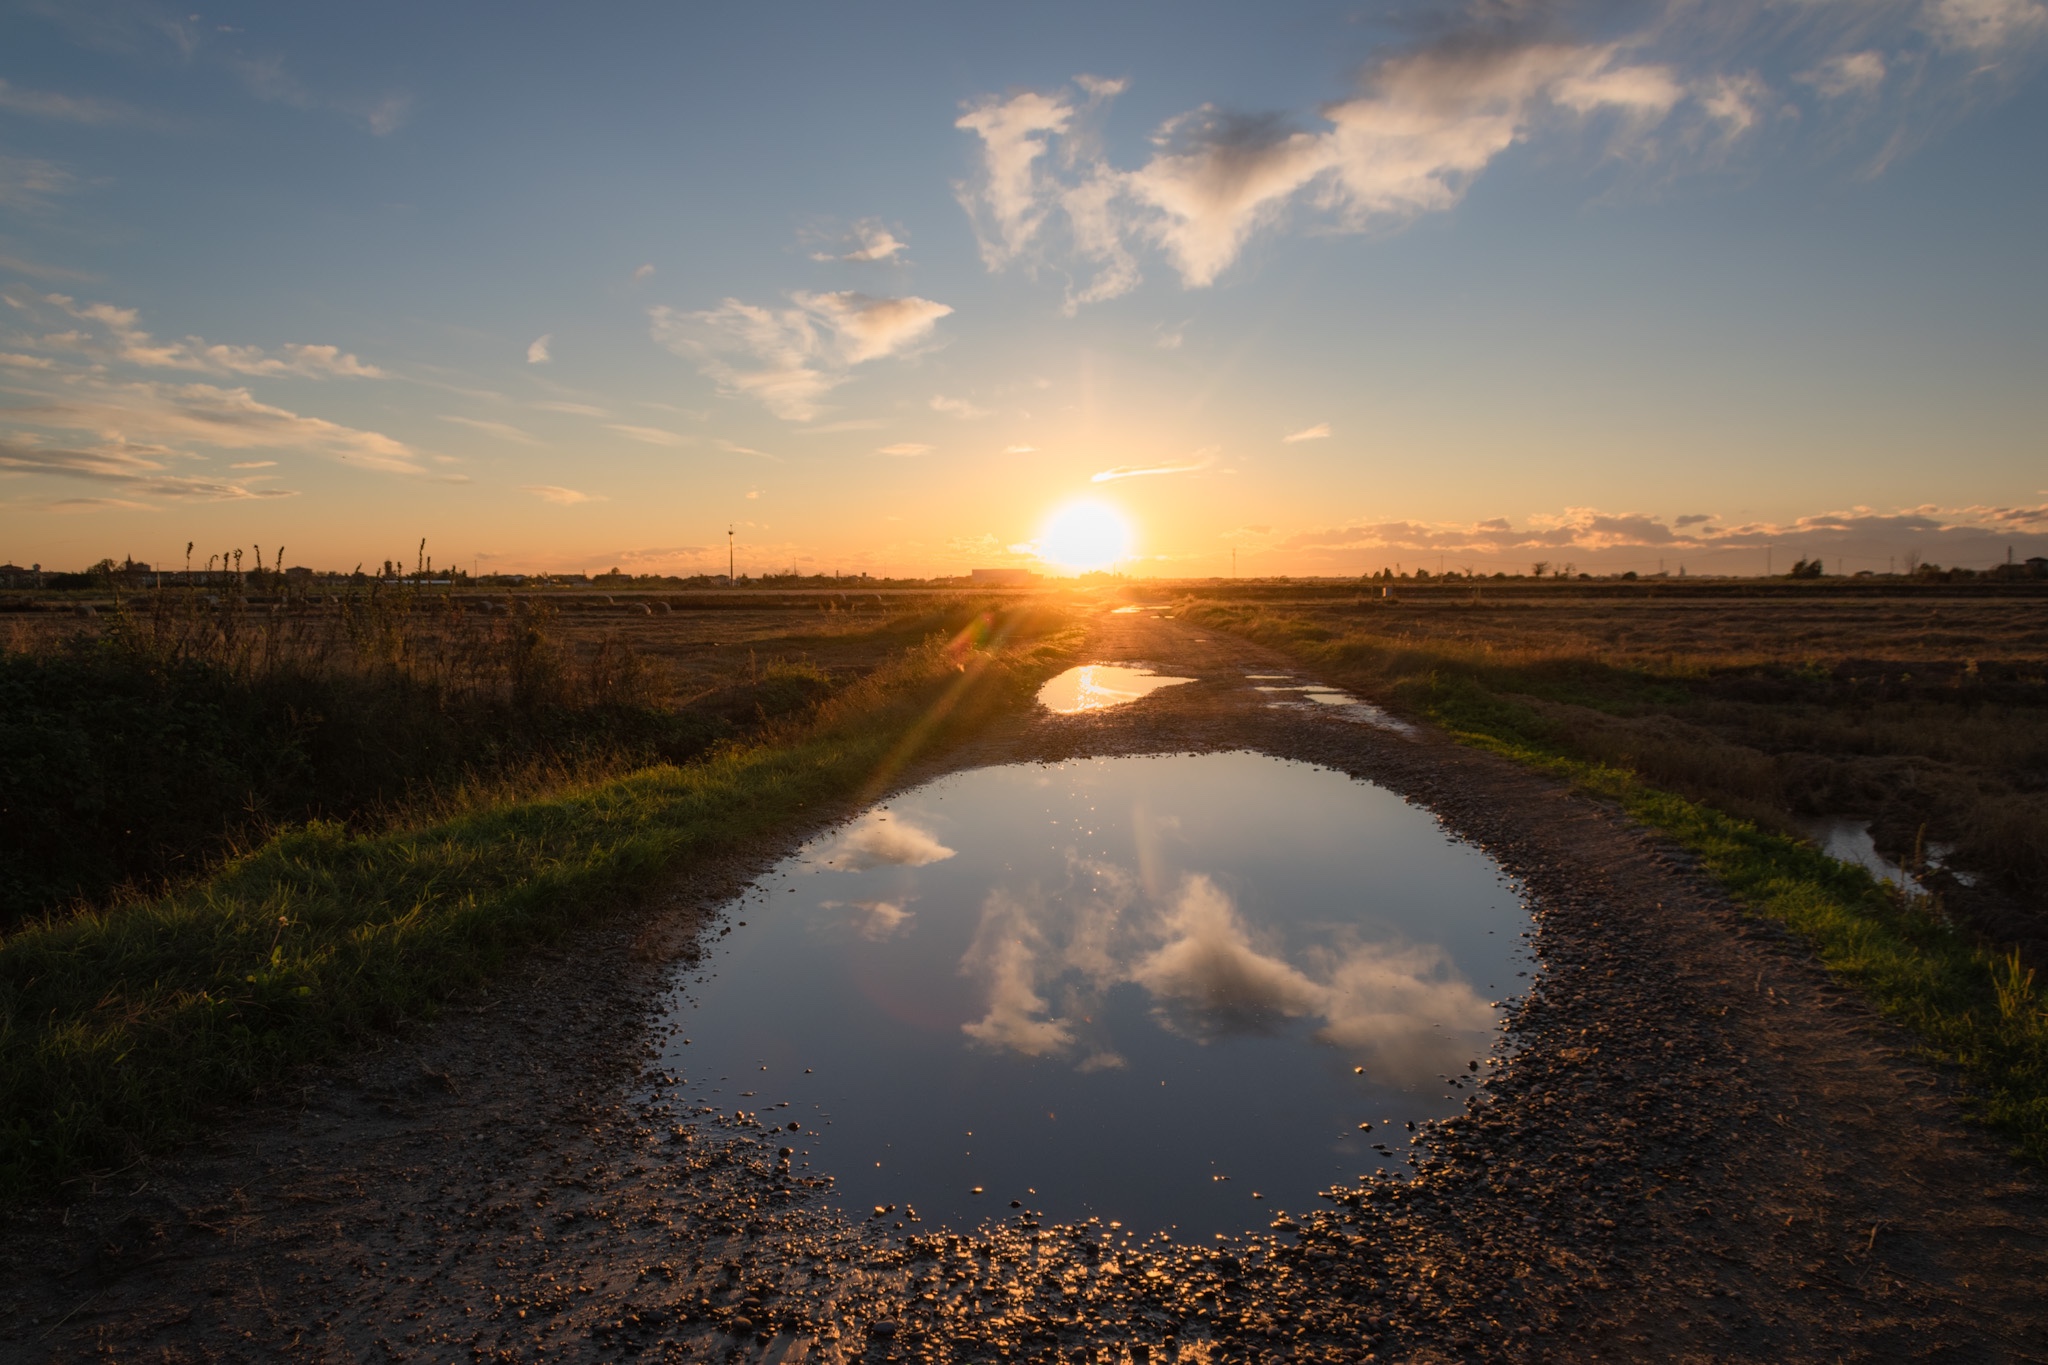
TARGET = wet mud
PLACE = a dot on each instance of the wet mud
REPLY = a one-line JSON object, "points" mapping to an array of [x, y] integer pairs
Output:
{"points": [[1690, 1147]]}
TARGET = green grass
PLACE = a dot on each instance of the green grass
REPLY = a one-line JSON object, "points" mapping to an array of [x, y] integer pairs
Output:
{"points": [[122, 1030], [1970, 1004]]}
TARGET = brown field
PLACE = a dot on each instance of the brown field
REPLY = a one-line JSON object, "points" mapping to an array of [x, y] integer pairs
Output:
{"points": [[143, 737], [1924, 711]]}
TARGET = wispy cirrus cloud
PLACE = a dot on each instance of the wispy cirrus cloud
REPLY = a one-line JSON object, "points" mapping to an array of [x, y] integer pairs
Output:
{"points": [[29, 183], [504, 431], [653, 436], [1205, 459], [559, 496], [143, 472], [1318, 432], [63, 108], [173, 417], [905, 448], [789, 359], [538, 351]]}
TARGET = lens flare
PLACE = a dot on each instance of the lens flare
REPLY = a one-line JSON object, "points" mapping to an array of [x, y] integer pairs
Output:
{"points": [[1083, 536]]}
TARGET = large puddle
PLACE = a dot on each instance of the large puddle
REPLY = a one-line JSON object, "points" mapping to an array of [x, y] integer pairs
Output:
{"points": [[1172, 991]]}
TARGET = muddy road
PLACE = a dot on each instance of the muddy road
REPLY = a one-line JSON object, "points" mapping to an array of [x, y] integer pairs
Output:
{"points": [[1690, 1148]]}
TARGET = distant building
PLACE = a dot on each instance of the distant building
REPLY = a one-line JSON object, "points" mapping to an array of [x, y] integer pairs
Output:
{"points": [[2037, 567], [1002, 578]]}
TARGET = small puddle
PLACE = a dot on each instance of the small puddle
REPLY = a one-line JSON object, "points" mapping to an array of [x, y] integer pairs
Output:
{"points": [[1286, 691], [1094, 687], [1848, 840], [1167, 990]]}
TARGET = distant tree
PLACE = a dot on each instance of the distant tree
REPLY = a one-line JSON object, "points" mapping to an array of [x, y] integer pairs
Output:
{"points": [[1539, 568], [1807, 568]]}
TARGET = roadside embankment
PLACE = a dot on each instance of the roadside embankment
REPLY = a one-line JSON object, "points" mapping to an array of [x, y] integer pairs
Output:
{"points": [[120, 1030], [1616, 728]]}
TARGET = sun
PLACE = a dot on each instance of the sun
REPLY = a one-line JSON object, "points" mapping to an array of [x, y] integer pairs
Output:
{"points": [[1083, 536]]}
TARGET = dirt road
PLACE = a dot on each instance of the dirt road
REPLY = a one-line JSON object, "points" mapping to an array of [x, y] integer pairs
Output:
{"points": [[1695, 1149]]}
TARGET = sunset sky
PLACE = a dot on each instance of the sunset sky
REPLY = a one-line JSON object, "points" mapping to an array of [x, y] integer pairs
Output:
{"points": [[887, 286]]}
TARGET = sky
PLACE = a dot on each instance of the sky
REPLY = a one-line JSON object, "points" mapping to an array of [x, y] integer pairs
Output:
{"points": [[912, 289]]}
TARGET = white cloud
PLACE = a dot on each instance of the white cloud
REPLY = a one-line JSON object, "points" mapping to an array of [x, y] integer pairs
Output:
{"points": [[254, 464], [1847, 73], [878, 839], [868, 241], [537, 350], [1020, 450], [959, 407], [561, 497], [905, 448], [1007, 204], [1675, 91], [1209, 964], [1014, 1005], [654, 436], [788, 359], [572, 409], [1318, 432], [1425, 124], [875, 921], [866, 328], [126, 342], [645, 272]]}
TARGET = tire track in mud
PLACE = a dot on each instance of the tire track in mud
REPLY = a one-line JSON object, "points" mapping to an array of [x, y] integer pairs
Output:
{"points": [[1689, 1147]]}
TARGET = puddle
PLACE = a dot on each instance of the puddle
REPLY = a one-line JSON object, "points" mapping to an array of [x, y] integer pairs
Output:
{"points": [[1848, 840], [1094, 687], [1165, 990], [1288, 692]]}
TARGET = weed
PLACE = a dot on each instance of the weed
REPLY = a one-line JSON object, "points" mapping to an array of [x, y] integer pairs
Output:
{"points": [[120, 1029]]}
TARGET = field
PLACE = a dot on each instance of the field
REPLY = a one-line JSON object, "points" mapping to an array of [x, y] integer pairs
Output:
{"points": [[141, 742], [331, 815], [1924, 712]]}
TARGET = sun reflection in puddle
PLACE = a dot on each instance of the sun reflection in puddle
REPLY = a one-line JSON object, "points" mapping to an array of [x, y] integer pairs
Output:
{"points": [[1141, 987], [1094, 687]]}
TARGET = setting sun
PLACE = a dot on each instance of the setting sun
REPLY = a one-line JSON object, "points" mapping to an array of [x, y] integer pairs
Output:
{"points": [[1082, 536]]}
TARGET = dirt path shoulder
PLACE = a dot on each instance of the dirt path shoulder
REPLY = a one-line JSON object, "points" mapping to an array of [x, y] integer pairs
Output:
{"points": [[1695, 1149]]}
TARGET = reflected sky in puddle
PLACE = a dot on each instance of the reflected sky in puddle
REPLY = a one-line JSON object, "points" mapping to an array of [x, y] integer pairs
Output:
{"points": [[1285, 690], [1094, 687], [1149, 989], [1848, 840]]}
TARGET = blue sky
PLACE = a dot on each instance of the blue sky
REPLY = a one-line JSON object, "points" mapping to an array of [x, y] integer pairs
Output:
{"points": [[567, 287]]}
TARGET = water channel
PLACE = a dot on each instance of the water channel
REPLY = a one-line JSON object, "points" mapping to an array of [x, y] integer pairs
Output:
{"points": [[1178, 991]]}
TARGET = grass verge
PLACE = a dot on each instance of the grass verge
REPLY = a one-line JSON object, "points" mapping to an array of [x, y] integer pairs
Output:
{"points": [[1970, 1004], [120, 1030]]}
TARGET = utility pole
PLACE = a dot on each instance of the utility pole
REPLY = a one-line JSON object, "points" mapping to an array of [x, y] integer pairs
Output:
{"points": [[731, 580]]}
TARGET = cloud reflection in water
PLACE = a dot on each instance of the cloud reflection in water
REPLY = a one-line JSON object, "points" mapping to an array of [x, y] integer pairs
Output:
{"points": [[1402, 1011]]}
